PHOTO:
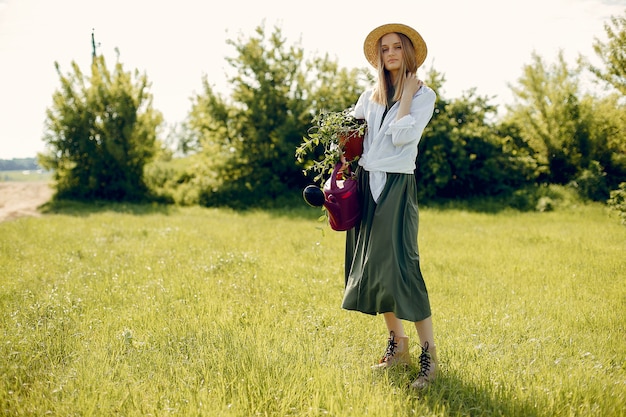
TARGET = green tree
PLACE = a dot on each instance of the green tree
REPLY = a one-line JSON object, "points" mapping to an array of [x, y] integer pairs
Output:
{"points": [[609, 112], [248, 142], [100, 132], [462, 154], [552, 118], [613, 54], [607, 120]]}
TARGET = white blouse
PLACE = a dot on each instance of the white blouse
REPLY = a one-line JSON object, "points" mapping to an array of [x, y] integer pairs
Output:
{"points": [[392, 146]]}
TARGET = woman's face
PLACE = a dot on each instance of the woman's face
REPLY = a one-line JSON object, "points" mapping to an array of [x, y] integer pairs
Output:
{"points": [[391, 47]]}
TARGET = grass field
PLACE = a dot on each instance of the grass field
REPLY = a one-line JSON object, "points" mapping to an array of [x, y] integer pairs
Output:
{"points": [[151, 311], [25, 175]]}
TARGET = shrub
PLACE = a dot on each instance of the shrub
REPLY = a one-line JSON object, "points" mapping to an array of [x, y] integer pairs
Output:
{"points": [[543, 198], [617, 202], [591, 183]]}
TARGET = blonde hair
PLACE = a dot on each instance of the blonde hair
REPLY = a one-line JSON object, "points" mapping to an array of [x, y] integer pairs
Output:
{"points": [[384, 83]]}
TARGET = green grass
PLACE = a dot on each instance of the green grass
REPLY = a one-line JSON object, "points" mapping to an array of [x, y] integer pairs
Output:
{"points": [[150, 310], [25, 175]]}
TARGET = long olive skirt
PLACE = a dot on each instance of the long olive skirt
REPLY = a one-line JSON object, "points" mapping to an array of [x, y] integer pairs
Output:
{"points": [[382, 268]]}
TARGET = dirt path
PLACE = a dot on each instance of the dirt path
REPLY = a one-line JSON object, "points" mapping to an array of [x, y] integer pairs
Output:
{"points": [[19, 199]]}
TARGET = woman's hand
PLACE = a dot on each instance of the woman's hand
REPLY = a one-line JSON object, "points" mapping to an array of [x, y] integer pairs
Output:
{"points": [[344, 164], [411, 84]]}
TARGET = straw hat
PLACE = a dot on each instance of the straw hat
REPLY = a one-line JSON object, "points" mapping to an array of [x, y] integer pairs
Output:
{"points": [[370, 47]]}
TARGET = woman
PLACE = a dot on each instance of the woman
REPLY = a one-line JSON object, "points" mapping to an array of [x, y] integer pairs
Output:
{"points": [[382, 260]]}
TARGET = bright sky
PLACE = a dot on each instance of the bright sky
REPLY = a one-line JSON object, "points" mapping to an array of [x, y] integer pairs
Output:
{"points": [[475, 43]]}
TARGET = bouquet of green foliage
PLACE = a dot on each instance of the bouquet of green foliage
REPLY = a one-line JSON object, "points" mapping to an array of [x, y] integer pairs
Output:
{"points": [[333, 135]]}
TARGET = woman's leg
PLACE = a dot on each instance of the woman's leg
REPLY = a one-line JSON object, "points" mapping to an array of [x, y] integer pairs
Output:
{"points": [[394, 324], [425, 331], [428, 357]]}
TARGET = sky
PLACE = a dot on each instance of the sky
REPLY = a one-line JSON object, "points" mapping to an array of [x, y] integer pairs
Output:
{"points": [[481, 44]]}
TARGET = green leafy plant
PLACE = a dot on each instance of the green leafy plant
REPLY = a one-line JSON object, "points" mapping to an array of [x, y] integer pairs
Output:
{"points": [[617, 201], [326, 141]]}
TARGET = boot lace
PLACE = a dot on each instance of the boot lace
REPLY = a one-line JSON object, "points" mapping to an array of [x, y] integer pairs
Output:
{"points": [[424, 361], [392, 345]]}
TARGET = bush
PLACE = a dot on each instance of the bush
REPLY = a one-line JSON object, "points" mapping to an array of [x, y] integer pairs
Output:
{"points": [[591, 183], [545, 204], [617, 202], [179, 181], [543, 198], [101, 132]]}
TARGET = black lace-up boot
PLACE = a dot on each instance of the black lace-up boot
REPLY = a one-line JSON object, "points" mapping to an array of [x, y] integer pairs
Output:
{"points": [[428, 367], [397, 352]]}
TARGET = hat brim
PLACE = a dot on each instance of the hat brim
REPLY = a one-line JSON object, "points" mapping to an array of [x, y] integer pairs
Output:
{"points": [[370, 46]]}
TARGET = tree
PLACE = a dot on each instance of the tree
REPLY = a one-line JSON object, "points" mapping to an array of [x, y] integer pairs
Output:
{"points": [[18, 164], [612, 54], [552, 118], [609, 114], [462, 154], [100, 131], [249, 141], [607, 121]]}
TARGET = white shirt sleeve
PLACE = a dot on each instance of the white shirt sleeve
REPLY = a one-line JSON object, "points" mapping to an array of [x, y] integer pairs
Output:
{"points": [[409, 129], [359, 108]]}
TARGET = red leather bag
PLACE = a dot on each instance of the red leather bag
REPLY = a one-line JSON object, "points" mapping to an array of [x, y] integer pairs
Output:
{"points": [[341, 200]]}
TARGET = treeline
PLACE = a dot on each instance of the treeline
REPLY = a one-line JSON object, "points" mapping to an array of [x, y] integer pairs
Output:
{"points": [[19, 164], [239, 150]]}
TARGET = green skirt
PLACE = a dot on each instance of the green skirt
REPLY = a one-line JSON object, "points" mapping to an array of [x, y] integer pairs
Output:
{"points": [[382, 271]]}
